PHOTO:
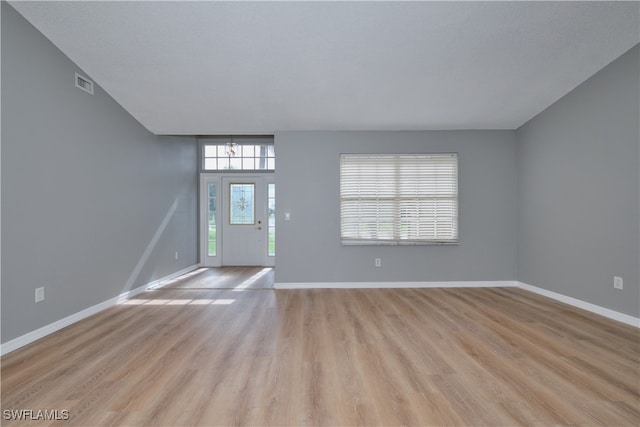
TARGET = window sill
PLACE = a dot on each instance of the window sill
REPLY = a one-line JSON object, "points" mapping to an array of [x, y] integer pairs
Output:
{"points": [[395, 243]]}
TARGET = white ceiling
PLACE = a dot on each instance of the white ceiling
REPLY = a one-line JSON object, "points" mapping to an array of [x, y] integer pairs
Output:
{"points": [[259, 67]]}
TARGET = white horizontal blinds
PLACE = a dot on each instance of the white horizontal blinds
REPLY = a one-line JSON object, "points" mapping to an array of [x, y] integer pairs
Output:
{"points": [[399, 198]]}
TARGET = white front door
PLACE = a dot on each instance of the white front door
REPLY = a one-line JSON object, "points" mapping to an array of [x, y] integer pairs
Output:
{"points": [[243, 231], [238, 226]]}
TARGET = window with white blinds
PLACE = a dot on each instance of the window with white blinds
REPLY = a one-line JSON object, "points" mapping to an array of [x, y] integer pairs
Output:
{"points": [[398, 198]]}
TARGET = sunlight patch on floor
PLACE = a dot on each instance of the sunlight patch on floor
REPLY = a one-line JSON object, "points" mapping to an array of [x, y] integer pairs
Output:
{"points": [[251, 280], [137, 301], [180, 278]]}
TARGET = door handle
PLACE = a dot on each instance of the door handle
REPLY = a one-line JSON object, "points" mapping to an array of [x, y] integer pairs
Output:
{"points": [[258, 228]]}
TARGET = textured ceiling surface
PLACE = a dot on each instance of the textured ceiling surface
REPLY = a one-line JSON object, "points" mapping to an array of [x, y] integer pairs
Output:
{"points": [[259, 67]]}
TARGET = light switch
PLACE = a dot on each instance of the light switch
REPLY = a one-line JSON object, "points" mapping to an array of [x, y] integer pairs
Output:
{"points": [[287, 216]]}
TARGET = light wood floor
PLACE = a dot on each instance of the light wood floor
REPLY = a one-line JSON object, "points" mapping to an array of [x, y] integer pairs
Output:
{"points": [[233, 278], [193, 354]]}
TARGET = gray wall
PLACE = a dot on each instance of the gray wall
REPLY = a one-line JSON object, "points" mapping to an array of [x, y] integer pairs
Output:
{"points": [[578, 189], [85, 188], [307, 185]]}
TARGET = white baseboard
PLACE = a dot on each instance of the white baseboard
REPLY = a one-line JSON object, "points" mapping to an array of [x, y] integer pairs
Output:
{"points": [[163, 281], [602, 311], [384, 285], [611, 314], [32, 336]]}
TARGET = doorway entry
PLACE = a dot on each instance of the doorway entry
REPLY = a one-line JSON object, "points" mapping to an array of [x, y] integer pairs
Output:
{"points": [[237, 220]]}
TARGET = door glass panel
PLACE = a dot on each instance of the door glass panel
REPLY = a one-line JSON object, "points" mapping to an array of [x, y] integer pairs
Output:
{"points": [[241, 204], [271, 222], [212, 220]]}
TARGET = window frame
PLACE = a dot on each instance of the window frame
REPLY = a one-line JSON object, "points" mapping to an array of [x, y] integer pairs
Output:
{"points": [[396, 199]]}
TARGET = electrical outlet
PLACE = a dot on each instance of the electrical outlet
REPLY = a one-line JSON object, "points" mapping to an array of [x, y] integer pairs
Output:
{"points": [[378, 262], [40, 294], [177, 255], [617, 282]]}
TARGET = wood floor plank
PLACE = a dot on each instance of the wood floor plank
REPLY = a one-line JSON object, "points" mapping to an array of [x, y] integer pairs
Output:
{"points": [[222, 347]]}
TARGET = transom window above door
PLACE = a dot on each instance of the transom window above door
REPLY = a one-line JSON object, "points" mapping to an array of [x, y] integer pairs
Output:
{"points": [[238, 154]]}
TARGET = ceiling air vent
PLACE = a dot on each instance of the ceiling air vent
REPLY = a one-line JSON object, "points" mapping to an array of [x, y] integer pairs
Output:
{"points": [[84, 83]]}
